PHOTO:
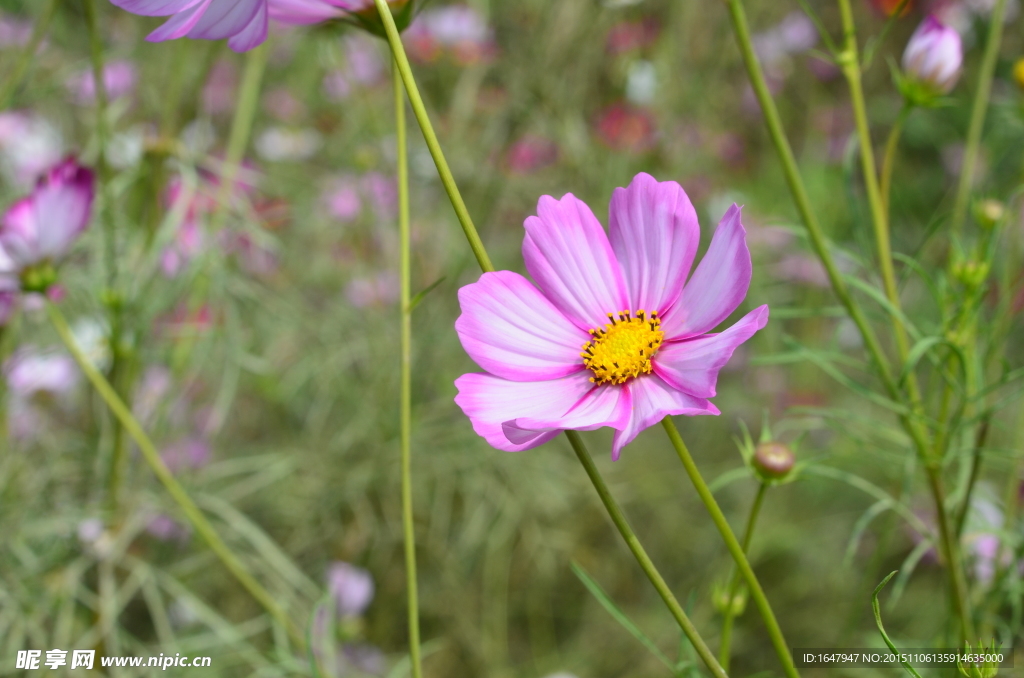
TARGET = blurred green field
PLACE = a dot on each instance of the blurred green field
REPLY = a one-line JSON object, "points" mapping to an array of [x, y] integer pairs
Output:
{"points": [[276, 347]]}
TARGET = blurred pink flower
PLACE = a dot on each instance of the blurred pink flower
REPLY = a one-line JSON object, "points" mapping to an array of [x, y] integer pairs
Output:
{"points": [[283, 105], [351, 587], [188, 454], [41, 228], [336, 86], [119, 79], [8, 304], [934, 56], [379, 290], [219, 90], [626, 128], [166, 528], [530, 153], [242, 22], [14, 32], [363, 59], [342, 199], [382, 192], [457, 30], [801, 268], [29, 145], [623, 299], [793, 35], [627, 36], [31, 375]]}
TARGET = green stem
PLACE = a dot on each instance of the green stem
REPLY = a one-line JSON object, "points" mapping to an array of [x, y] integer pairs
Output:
{"points": [[406, 387], [850, 63], [795, 182], [641, 555], [735, 548], [978, 112], [890, 156], [734, 580], [177, 492], [979, 442], [39, 31], [911, 423], [420, 111]]}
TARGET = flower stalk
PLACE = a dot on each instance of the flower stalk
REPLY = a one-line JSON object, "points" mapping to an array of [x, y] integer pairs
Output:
{"points": [[733, 587], [978, 111], [615, 512], [174, 488], [405, 408], [735, 549]]}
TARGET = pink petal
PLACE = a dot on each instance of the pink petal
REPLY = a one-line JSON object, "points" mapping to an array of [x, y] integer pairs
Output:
{"points": [[491, 401], [63, 204], [568, 254], [654, 232], [692, 366], [511, 330], [227, 18], [253, 35], [653, 400], [717, 287], [19, 233], [302, 11], [179, 25], [155, 7], [601, 406]]}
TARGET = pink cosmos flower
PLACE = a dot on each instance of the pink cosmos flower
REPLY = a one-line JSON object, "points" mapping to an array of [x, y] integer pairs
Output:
{"points": [[242, 22], [458, 29], [42, 227], [612, 334], [351, 587], [530, 153], [626, 128]]}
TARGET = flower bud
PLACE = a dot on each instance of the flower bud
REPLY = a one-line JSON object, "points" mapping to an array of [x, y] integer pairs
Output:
{"points": [[971, 273], [988, 213], [1018, 72], [773, 460], [724, 603], [933, 56]]}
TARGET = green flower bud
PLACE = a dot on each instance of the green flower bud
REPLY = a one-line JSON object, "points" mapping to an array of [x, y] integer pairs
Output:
{"points": [[988, 213], [773, 460]]}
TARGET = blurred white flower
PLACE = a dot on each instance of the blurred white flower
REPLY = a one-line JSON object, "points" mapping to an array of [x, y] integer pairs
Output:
{"points": [[281, 144], [641, 82]]}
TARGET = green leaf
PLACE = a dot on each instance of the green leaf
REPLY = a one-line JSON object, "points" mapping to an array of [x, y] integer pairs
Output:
{"points": [[881, 629], [415, 301]]}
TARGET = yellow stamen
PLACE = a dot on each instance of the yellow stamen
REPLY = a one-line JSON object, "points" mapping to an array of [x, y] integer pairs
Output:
{"points": [[623, 348]]}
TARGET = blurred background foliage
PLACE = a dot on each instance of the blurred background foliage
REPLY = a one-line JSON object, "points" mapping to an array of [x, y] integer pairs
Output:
{"points": [[267, 359]]}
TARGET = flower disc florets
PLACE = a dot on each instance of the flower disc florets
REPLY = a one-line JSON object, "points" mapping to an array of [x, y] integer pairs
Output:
{"points": [[623, 349]]}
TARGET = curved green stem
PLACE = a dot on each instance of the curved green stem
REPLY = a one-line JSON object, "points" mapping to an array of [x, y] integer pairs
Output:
{"points": [[641, 555], [420, 111], [891, 144], [174, 488], [734, 581], [405, 408], [795, 182], [735, 549], [39, 31], [978, 111]]}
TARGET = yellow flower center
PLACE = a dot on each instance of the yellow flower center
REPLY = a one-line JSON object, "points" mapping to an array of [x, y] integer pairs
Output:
{"points": [[623, 349]]}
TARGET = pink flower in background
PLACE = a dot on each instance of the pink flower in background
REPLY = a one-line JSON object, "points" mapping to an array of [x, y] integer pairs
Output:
{"points": [[283, 105], [254, 257], [188, 454], [29, 145], [32, 375], [612, 334], [336, 86], [379, 290], [8, 304], [627, 36], [42, 227], [382, 192], [458, 30], [242, 22], [119, 79], [342, 199], [363, 59], [626, 128], [166, 528], [14, 32], [220, 87], [530, 153], [351, 587]]}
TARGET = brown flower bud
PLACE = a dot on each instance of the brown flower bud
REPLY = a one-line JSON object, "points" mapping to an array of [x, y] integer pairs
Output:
{"points": [[773, 460]]}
